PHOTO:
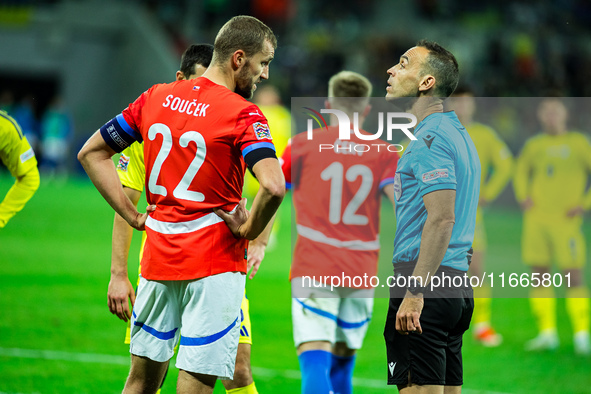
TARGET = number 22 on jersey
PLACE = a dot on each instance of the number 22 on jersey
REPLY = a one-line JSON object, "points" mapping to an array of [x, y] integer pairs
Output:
{"points": [[181, 191]]}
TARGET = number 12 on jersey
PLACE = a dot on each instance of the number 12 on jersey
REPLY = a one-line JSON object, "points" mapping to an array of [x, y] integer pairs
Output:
{"points": [[335, 173]]}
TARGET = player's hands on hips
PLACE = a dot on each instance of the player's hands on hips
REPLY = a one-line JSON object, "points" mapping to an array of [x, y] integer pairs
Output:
{"points": [[139, 222], [409, 312], [120, 290], [576, 211], [235, 218], [256, 253]]}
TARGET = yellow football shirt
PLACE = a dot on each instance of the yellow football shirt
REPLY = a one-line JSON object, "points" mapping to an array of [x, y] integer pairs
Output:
{"points": [[132, 173], [279, 119], [18, 156], [552, 170], [495, 160]]}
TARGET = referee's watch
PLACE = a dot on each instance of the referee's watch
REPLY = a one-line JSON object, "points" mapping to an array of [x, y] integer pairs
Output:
{"points": [[415, 289]]}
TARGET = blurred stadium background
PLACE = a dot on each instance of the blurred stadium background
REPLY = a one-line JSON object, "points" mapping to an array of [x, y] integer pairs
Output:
{"points": [[75, 64]]}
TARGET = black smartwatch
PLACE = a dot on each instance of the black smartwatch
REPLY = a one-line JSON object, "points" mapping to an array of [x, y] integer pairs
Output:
{"points": [[415, 289]]}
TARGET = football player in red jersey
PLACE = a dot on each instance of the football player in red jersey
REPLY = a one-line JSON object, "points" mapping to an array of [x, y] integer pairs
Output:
{"points": [[131, 170], [199, 135], [337, 196]]}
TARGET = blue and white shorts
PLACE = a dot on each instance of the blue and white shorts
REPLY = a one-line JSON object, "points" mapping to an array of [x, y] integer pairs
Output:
{"points": [[340, 315], [204, 313]]}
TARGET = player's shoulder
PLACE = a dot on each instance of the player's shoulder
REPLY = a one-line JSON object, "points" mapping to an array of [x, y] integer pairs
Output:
{"points": [[438, 133], [443, 124], [578, 137], [157, 88], [9, 128], [215, 94], [536, 140], [7, 121]]}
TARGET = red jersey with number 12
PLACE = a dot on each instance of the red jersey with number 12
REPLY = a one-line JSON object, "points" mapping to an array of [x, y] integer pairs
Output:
{"points": [[196, 134], [336, 194]]}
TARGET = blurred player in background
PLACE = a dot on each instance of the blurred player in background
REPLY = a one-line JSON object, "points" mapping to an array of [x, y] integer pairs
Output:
{"points": [[18, 156], [436, 186], [337, 196], [550, 181], [496, 163], [131, 171], [267, 98], [193, 264]]}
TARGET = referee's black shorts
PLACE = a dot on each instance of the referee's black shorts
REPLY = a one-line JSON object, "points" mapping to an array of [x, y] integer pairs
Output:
{"points": [[435, 356]]}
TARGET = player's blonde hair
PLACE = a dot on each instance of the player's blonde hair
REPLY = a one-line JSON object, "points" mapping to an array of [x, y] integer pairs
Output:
{"points": [[349, 91]]}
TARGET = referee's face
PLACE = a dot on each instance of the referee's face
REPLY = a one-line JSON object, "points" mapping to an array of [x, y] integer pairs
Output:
{"points": [[405, 77]]}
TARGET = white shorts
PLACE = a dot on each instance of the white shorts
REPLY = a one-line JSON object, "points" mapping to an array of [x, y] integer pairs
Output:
{"points": [[204, 313], [319, 315]]}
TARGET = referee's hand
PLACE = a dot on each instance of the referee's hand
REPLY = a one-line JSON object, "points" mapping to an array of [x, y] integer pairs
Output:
{"points": [[409, 312]]}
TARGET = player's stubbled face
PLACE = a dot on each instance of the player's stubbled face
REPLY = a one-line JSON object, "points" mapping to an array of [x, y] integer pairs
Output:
{"points": [[405, 76], [254, 70]]}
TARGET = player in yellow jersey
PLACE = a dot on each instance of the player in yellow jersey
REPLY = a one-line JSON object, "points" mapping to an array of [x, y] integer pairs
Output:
{"points": [[550, 181], [18, 156], [132, 173], [268, 100], [496, 163]]}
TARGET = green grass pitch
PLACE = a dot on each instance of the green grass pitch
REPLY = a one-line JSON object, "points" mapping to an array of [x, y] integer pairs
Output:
{"points": [[57, 335]]}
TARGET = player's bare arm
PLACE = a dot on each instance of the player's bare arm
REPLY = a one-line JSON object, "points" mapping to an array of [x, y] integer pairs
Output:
{"points": [[256, 249], [265, 204], [440, 206], [95, 157], [388, 190], [120, 288]]}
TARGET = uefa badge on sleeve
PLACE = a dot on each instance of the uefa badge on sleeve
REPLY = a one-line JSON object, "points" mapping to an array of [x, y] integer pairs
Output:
{"points": [[123, 163], [262, 131]]}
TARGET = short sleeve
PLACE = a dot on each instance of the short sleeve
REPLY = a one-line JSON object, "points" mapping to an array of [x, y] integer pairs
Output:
{"points": [[286, 164], [131, 168], [434, 165], [124, 129], [254, 136]]}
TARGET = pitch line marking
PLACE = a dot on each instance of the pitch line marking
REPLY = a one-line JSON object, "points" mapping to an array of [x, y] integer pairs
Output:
{"points": [[122, 360]]}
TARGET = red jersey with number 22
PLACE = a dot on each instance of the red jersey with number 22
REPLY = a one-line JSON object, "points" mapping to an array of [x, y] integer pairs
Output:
{"points": [[196, 134]]}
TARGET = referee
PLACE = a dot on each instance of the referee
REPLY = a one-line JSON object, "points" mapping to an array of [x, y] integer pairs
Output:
{"points": [[436, 187]]}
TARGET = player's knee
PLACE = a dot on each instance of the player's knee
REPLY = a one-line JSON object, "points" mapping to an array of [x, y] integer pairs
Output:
{"points": [[341, 349], [141, 384]]}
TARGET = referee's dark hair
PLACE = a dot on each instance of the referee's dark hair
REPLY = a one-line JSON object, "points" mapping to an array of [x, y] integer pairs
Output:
{"points": [[443, 65], [196, 54]]}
